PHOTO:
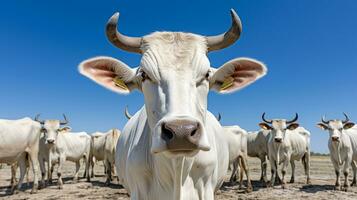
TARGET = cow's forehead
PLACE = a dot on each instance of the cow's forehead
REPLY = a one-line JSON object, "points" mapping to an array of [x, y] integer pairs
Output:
{"points": [[335, 124], [52, 124], [182, 52], [279, 123]]}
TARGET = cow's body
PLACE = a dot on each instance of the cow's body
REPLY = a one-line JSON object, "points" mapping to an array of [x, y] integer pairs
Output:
{"points": [[295, 146], [153, 176], [20, 137], [257, 143], [236, 138]]}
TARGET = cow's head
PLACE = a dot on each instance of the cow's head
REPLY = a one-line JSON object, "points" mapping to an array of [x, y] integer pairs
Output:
{"points": [[51, 129], [175, 76], [278, 127], [335, 127]]}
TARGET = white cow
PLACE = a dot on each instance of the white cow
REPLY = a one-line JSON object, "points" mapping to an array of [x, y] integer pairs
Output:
{"points": [[111, 139], [257, 143], [103, 149], [343, 148], [172, 148], [237, 144], [287, 142], [97, 149], [61, 146], [17, 138]]}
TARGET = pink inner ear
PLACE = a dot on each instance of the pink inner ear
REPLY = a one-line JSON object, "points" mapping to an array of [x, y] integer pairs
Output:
{"points": [[245, 72]]}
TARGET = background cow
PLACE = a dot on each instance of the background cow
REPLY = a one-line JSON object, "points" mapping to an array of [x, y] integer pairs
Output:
{"points": [[172, 148], [97, 149], [60, 146], [343, 147], [287, 142], [20, 137], [257, 143]]}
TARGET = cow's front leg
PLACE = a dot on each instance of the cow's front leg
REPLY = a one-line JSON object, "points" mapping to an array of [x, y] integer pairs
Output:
{"points": [[33, 157], [75, 177], [22, 166], [354, 170], [292, 179], [263, 165], [346, 167], [273, 166], [43, 174], [283, 171], [61, 161]]}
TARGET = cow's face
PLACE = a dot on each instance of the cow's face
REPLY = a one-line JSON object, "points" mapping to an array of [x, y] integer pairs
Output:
{"points": [[278, 127], [175, 76], [335, 128], [51, 129]]}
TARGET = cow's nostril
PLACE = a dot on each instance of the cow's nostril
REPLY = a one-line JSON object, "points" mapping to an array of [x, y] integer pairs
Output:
{"points": [[193, 133], [166, 133]]}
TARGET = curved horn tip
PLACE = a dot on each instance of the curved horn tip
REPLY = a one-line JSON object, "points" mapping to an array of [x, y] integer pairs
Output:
{"points": [[236, 18], [114, 18]]}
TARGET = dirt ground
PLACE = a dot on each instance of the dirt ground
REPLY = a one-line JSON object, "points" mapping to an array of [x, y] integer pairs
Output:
{"points": [[322, 175]]}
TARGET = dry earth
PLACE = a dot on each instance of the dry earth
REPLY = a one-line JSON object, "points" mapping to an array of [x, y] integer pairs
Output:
{"points": [[322, 175]]}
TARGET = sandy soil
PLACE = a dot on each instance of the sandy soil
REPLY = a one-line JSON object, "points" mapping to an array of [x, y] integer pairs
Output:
{"points": [[322, 175]]}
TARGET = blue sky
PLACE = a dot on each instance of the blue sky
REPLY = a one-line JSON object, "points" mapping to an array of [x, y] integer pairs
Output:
{"points": [[309, 47]]}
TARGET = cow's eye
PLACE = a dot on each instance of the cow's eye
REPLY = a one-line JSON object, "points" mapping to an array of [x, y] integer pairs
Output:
{"points": [[144, 76]]}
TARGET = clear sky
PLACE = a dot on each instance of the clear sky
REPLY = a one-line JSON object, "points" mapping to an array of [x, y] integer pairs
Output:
{"points": [[309, 47]]}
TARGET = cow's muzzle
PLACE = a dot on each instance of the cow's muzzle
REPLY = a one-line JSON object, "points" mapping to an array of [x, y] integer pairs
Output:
{"points": [[50, 141], [335, 139], [278, 140], [182, 135]]}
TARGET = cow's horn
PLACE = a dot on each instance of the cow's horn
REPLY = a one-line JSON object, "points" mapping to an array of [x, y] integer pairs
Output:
{"points": [[346, 118], [293, 120], [65, 120], [265, 120], [225, 39], [127, 114], [119, 40], [37, 120], [219, 117], [323, 120]]}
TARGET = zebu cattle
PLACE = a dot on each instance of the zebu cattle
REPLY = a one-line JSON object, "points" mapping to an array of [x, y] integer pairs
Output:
{"points": [[18, 138], [237, 145], [172, 148], [343, 147], [57, 146], [97, 149], [287, 142], [111, 139]]}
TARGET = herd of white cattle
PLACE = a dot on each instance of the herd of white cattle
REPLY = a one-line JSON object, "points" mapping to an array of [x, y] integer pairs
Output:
{"points": [[173, 147]]}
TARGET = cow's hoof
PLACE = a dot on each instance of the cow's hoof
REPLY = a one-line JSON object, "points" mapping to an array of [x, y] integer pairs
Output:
{"points": [[337, 187], [283, 186], [308, 181], [269, 184], [249, 189], [88, 179], [75, 180], [353, 184], [292, 181], [346, 189], [60, 187], [33, 191]]}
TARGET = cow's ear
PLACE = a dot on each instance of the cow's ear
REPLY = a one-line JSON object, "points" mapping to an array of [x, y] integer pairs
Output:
{"points": [[110, 73], [293, 126], [65, 129], [348, 125], [236, 74], [322, 126], [265, 126]]}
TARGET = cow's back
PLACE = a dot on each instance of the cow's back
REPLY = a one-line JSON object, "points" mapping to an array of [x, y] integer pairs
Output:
{"points": [[17, 136]]}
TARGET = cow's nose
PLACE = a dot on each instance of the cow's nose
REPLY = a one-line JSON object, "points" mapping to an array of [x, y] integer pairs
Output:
{"points": [[181, 135], [50, 141], [336, 139], [279, 140]]}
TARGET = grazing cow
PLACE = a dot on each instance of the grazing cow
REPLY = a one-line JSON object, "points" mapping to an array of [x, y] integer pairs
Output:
{"points": [[287, 142], [58, 145], [343, 147], [172, 148], [18, 138], [237, 145], [257, 143]]}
